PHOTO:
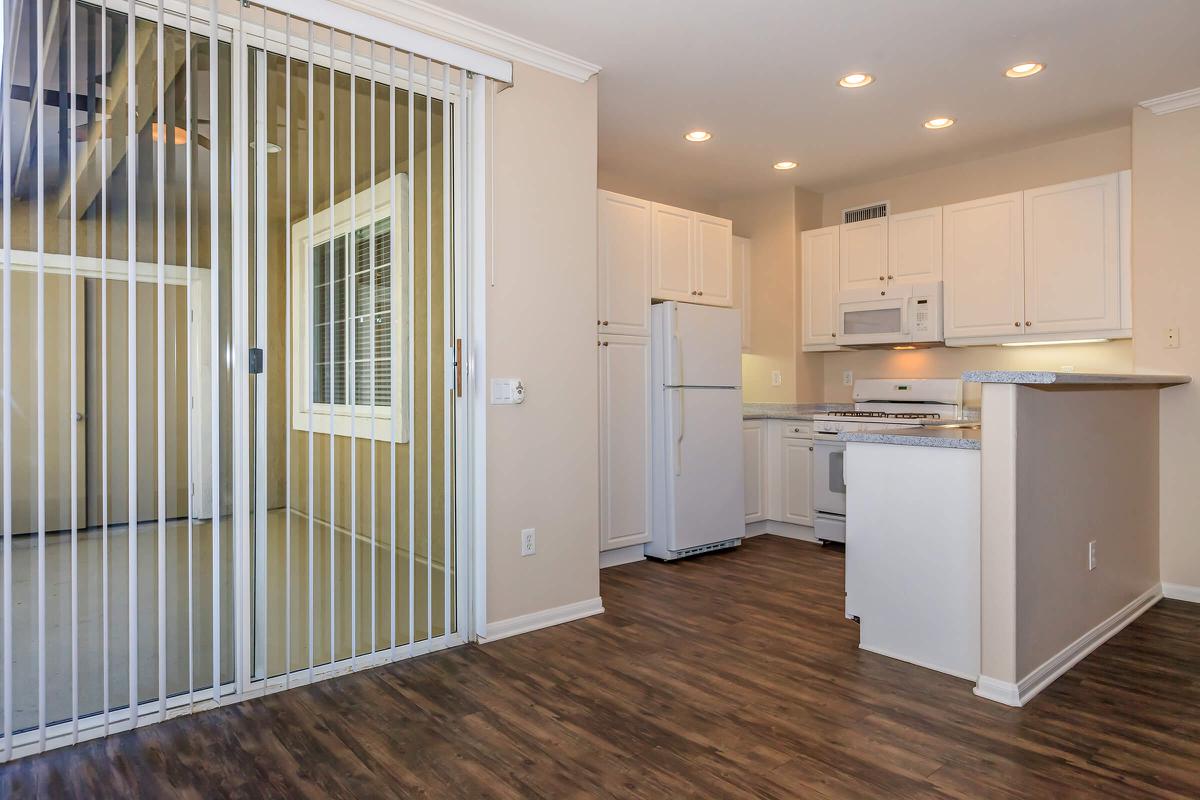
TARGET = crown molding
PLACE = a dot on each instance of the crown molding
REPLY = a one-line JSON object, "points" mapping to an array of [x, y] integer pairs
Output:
{"points": [[1173, 102], [428, 18]]}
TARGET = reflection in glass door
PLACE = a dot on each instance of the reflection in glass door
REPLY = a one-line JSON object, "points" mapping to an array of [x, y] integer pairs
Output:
{"points": [[229, 389], [350, 302]]}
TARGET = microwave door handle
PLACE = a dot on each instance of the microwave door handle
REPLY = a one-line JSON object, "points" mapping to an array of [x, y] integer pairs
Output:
{"points": [[905, 307]]}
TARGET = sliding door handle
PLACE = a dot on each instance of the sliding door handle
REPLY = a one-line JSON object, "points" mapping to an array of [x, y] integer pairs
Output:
{"points": [[458, 368]]}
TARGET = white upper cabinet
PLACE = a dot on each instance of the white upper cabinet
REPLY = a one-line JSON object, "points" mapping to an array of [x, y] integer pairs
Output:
{"points": [[819, 286], [624, 441], [983, 267], [915, 247], [672, 253], [742, 283], [864, 254], [692, 256], [1072, 257], [713, 278], [624, 264]]}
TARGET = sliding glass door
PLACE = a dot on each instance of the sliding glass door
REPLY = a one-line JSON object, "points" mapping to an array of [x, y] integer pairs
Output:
{"points": [[228, 318]]}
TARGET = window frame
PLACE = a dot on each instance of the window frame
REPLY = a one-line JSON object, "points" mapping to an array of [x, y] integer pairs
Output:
{"points": [[346, 419]]}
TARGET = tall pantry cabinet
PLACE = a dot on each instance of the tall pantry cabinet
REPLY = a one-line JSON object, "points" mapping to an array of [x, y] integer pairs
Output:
{"points": [[624, 259], [646, 251]]}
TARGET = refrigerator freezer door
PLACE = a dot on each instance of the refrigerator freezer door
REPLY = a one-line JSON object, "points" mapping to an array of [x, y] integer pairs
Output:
{"points": [[705, 468], [705, 347]]}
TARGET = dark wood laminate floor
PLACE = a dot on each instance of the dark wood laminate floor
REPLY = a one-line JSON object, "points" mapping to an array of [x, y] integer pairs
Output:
{"points": [[730, 675]]}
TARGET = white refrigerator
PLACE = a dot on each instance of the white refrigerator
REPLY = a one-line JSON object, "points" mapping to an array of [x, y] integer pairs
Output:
{"points": [[696, 430]]}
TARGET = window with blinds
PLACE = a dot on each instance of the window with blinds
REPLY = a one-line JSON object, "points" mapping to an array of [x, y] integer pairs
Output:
{"points": [[346, 334]]}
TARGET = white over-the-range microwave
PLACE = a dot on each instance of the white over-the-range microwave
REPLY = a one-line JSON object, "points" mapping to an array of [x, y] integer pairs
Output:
{"points": [[905, 314]]}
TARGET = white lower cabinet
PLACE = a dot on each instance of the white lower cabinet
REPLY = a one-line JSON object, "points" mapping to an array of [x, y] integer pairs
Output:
{"points": [[778, 465], [754, 457], [795, 485], [624, 441]]}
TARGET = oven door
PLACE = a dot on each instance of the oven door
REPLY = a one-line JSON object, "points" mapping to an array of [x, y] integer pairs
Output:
{"points": [[865, 318], [829, 484]]}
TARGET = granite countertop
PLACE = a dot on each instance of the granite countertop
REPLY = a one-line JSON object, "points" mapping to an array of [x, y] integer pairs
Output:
{"points": [[790, 410], [1035, 378], [954, 438]]}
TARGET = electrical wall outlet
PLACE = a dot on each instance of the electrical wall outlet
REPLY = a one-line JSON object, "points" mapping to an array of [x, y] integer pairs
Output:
{"points": [[776, 378], [1172, 338], [847, 378], [1091, 555], [528, 542]]}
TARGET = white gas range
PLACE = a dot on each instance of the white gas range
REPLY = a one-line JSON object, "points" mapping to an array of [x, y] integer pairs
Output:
{"points": [[878, 403]]}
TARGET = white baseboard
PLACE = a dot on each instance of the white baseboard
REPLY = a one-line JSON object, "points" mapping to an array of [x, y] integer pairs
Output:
{"points": [[787, 530], [1020, 693], [622, 555], [999, 691], [502, 629], [1181, 591]]}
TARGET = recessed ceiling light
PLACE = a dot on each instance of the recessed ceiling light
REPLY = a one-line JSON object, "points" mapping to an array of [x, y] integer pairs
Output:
{"points": [[939, 122], [855, 80], [782, 165], [697, 136], [1024, 70]]}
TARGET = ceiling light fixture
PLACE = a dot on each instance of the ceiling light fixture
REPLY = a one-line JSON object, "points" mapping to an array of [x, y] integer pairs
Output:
{"points": [[782, 165], [178, 135], [856, 80], [1024, 70], [1041, 344], [697, 136], [937, 123]]}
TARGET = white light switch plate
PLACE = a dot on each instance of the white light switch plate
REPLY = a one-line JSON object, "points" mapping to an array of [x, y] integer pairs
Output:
{"points": [[507, 391]]}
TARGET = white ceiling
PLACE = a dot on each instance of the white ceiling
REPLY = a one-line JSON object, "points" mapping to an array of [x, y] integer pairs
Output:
{"points": [[762, 76]]}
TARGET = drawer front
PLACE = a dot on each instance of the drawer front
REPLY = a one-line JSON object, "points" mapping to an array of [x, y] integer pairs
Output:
{"points": [[797, 430]]}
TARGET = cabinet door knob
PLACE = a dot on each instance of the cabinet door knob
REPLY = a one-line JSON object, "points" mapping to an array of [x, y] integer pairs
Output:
{"points": [[883, 294], [880, 277], [810, 447], [1028, 323], [1017, 324], [891, 277], [604, 323], [606, 344]]}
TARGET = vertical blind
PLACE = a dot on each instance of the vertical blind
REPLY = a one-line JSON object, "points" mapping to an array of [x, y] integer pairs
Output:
{"points": [[232, 241]]}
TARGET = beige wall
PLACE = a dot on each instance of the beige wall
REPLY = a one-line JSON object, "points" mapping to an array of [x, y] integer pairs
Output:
{"points": [[542, 469], [1098, 450], [768, 219], [1166, 292], [1066, 160], [1071, 159]]}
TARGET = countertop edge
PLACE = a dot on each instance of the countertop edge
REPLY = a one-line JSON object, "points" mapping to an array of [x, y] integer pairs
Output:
{"points": [[1046, 378], [923, 439]]}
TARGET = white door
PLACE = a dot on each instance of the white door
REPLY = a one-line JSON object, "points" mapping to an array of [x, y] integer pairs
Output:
{"points": [[983, 267], [708, 486], [623, 258], [797, 460], [864, 254], [742, 284], [671, 231], [713, 273], [754, 467], [819, 253], [915, 247], [1072, 257], [624, 441]]}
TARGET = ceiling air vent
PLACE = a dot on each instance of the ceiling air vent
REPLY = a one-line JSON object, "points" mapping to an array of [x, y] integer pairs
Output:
{"points": [[865, 212]]}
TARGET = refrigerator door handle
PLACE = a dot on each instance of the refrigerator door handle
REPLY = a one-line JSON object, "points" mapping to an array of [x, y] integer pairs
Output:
{"points": [[677, 444], [676, 360]]}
